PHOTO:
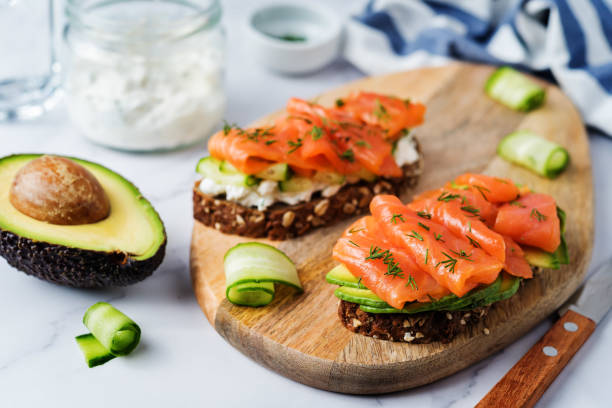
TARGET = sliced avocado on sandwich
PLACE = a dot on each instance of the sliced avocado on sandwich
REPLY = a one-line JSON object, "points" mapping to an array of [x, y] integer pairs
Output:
{"points": [[76, 223]]}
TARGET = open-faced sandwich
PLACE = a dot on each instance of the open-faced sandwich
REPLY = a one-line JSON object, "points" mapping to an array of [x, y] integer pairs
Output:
{"points": [[428, 270], [311, 167]]}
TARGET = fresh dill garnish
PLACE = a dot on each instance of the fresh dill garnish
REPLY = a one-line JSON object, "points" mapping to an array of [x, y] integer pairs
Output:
{"points": [[269, 142], [294, 145], [359, 281], [381, 112], [339, 103], [354, 230], [412, 283], [426, 255], [472, 210], [228, 128], [393, 267], [446, 197], [348, 155], [396, 217], [538, 215], [475, 243], [449, 263], [470, 226], [518, 204], [363, 143], [353, 243], [300, 118], [316, 132], [501, 180], [463, 255], [424, 214], [481, 190], [415, 235], [439, 237], [423, 226]]}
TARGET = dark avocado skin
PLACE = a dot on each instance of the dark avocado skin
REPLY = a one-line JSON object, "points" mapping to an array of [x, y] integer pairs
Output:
{"points": [[79, 268]]}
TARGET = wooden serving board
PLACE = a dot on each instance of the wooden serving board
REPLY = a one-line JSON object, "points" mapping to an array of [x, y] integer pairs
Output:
{"points": [[301, 337]]}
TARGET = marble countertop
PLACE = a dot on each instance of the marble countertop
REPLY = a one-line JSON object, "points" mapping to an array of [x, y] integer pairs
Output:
{"points": [[182, 361]]}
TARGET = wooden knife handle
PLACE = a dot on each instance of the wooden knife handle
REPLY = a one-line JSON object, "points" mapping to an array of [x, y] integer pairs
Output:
{"points": [[525, 383]]}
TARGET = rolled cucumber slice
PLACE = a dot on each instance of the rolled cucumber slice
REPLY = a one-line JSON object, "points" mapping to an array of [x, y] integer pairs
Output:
{"points": [[95, 353], [514, 89], [539, 155], [222, 172], [360, 296], [115, 331], [252, 268]]}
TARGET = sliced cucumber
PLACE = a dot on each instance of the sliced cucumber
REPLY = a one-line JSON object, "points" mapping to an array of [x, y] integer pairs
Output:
{"points": [[543, 259], [562, 219], [340, 275], [95, 353], [295, 185], [534, 152], [222, 172], [561, 253], [276, 172], [115, 331], [514, 89], [329, 177], [360, 296], [252, 268]]}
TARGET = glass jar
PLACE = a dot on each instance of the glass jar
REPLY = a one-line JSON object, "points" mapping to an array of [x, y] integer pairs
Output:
{"points": [[144, 75]]}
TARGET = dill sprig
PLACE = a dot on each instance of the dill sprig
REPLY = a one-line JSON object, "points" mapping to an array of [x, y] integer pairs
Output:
{"points": [[363, 143], [481, 190], [475, 243], [396, 217], [300, 118], [348, 155], [354, 230], [425, 227], [448, 263], [294, 145], [412, 283], [339, 103], [538, 215], [470, 209], [518, 204], [381, 112], [415, 235], [316, 132], [269, 142], [424, 214], [439, 237], [463, 255], [426, 255], [393, 267], [353, 243], [446, 196]]}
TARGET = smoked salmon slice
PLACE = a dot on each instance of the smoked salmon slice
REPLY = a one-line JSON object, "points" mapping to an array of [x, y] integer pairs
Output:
{"points": [[463, 221], [451, 260], [313, 138], [492, 189], [394, 277], [531, 220], [516, 264]]}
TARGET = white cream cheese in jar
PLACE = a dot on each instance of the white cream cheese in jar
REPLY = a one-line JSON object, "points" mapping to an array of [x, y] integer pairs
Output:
{"points": [[144, 90]]}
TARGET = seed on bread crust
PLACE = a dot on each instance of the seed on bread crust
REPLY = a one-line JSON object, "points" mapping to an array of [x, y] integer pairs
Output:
{"points": [[418, 328], [282, 221]]}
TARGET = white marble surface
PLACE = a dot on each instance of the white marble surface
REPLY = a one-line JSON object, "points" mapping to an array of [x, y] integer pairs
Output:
{"points": [[181, 360]]}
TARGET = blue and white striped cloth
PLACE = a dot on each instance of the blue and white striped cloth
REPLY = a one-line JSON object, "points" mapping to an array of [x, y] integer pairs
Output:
{"points": [[569, 41]]}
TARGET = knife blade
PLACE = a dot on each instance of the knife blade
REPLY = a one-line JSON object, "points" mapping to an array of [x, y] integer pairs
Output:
{"points": [[525, 383], [594, 298]]}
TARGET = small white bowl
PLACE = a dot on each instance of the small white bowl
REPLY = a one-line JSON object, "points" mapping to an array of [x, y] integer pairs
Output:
{"points": [[294, 38]]}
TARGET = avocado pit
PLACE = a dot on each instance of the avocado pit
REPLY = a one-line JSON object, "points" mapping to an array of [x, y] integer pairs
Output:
{"points": [[59, 191]]}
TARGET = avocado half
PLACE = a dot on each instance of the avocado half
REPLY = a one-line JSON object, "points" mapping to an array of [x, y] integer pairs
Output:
{"points": [[124, 248]]}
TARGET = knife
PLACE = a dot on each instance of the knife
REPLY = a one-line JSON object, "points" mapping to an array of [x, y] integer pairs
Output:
{"points": [[525, 383]]}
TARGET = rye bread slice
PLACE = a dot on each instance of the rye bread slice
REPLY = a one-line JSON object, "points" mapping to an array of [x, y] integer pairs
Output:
{"points": [[418, 328], [282, 221]]}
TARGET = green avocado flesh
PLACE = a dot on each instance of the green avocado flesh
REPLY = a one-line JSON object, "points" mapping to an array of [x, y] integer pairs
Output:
{"points": [[123, 248], [504, 287]]}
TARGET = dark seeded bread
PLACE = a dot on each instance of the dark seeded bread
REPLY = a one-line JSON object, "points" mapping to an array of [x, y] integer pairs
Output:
{"points": [[417, 328], [282, 221]]}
